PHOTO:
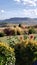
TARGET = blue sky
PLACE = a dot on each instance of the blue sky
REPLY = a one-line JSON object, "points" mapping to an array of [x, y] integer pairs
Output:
{"points": [[18, 8]]}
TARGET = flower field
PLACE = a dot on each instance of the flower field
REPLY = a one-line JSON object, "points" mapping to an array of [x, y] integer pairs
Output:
{"points": [[10, 39], [7, 56], [18, 50]]}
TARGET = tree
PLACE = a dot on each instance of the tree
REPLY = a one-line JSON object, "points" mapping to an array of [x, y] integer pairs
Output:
{"points": [[19, 25]]}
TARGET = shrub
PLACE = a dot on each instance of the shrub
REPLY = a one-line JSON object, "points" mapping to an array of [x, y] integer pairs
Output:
{"points": [[1, 34], [9, 31], [7, 56], [26, 54], [19, 25], [31, 31]]}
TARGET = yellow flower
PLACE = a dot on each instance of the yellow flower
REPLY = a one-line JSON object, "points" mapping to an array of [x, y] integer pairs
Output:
{"points": [[6, 46]]}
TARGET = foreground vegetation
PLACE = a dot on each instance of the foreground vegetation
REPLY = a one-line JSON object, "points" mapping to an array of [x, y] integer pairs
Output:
{"points": [[7, 56], [18, 50], [26, 52], [18, 46]]}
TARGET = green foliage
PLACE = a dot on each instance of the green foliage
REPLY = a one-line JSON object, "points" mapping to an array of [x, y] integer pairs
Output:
{"points": [[25, 55], [12, 41], [7, 57], [25, 36], [1, 34], [31, 31]]}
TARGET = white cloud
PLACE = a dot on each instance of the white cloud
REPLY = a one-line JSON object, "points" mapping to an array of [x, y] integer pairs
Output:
{"points": [[30, 12], [28, 2], [2, 11], [17, 0], [32, 3], [19, 13], [35, 11]]}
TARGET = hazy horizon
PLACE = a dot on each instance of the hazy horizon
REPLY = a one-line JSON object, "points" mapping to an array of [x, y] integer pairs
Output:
{"points": [[19, 17]]}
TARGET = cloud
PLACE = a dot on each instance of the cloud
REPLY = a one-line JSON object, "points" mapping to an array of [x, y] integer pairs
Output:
{"points": [[28, 2], [30, 12], [8, 14], [35, 11], [2, 11], [19, 13], [17, 0]]}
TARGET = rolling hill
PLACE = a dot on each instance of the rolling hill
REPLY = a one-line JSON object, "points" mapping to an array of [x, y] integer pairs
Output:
{"points": [[17, 20]]}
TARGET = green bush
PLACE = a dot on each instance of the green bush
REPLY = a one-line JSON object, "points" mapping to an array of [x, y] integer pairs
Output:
{"points": [[7, 55], [1, 34], [31, 31], [25, 55]]}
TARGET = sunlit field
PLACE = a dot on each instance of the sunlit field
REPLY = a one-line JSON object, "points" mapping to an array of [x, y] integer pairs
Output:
{"points": [[18, 32], [16, 39], [18, 46]]}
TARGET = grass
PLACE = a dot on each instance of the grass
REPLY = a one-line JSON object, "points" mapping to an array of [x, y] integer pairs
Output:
{"points": [[10, 39]]}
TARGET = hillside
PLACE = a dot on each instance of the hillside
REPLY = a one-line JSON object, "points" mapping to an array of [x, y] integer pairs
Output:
{"points": [[18, 20]]}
